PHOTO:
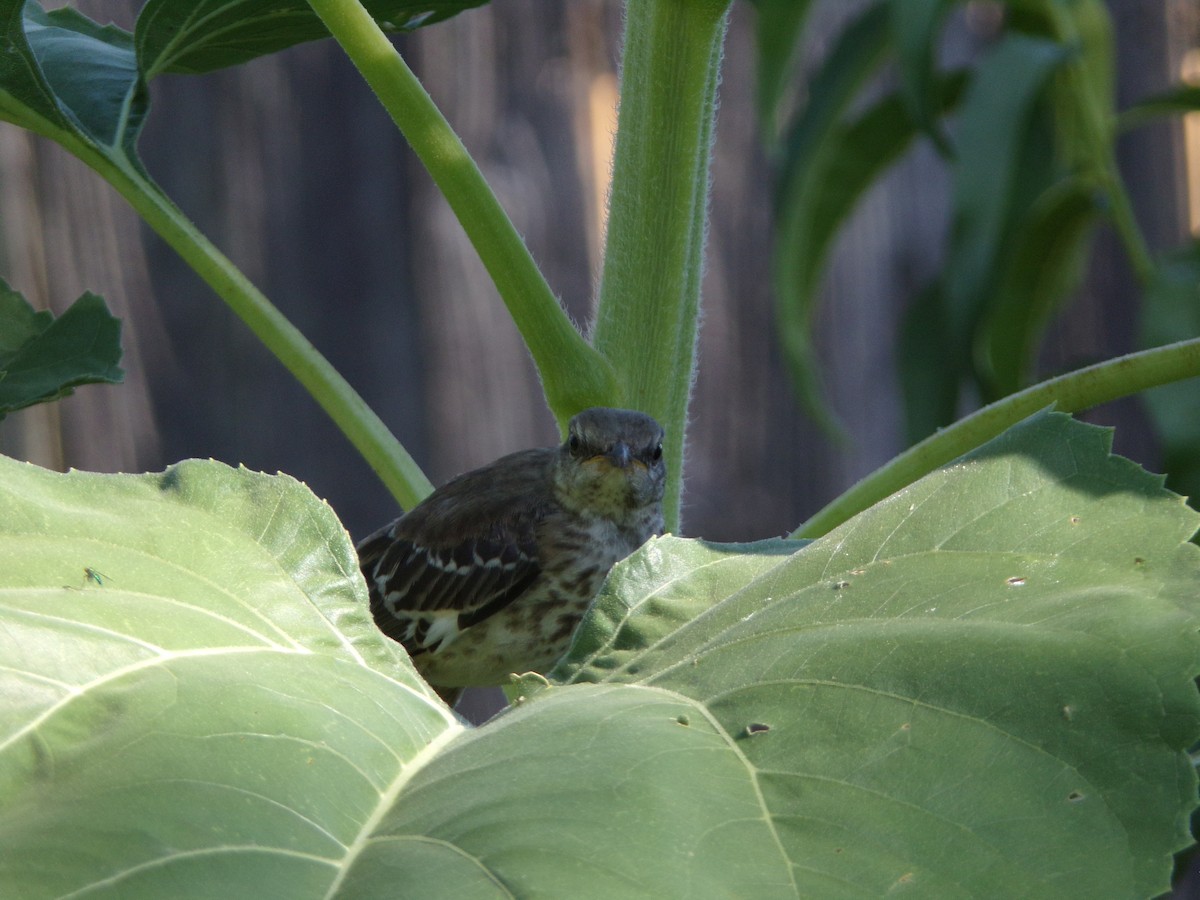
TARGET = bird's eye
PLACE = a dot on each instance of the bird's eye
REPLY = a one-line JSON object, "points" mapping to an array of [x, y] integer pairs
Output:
{"points": [[656, 455], [573, 442]]}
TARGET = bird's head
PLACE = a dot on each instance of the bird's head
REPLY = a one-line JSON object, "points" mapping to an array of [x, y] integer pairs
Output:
{"points": [[611, 463]]}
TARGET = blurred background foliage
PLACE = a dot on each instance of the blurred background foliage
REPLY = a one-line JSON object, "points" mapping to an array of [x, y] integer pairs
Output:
{"points": [[916, 209], [1026, 126]]}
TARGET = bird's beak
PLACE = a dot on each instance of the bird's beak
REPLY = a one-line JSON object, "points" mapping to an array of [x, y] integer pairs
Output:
{"points": [[620, 456]]}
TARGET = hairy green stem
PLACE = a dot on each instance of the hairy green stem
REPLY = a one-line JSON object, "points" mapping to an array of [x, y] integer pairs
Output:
{"points": [[1085, 388], [647, 316], [573, 374]]}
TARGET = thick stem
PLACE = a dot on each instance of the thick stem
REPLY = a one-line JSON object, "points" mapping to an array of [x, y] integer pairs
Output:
{"points": [[573, 375], [648, 312], [1083, 389]]}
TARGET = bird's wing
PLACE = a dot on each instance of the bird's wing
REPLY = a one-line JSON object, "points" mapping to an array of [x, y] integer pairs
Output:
{"points": [[424, 596], [451, 564]]}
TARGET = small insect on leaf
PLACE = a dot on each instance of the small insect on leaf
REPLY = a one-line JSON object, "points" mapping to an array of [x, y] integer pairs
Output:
{"points": [[90, 574]]}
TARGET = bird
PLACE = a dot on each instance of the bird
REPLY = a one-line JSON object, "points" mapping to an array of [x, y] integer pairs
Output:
{"points": [[490, 574]]}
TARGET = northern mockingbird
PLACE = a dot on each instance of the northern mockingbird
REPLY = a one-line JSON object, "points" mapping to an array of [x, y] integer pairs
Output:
{"points": [[491, 573]]}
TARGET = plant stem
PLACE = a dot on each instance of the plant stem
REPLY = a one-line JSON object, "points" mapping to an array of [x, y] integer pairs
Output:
{"points": [[1082, 389], [648, 312], [573, 375], [1088, 27], [377, 445], [1125, 224]]}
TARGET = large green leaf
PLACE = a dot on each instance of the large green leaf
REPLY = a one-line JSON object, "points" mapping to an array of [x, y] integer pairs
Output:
{"points": [[193, 698], [64, 76], [585, 792], [980, 687], [190, 36], [43, 358]]}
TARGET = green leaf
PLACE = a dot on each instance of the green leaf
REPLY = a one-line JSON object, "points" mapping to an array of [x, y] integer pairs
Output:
{"points": [[853, 155], [808, 152], [194, 700], [982, 686], [188, 37], [19, 322], [43, 358], [993, 130], [64, 76], [1030, 172], [1179, 100], [1046, 264], [1005, 161], [929, 371], [1171, 312], [585, 792], [778, 27], [915, 26], [662, 590], [1085, 90], [948, 693]]}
